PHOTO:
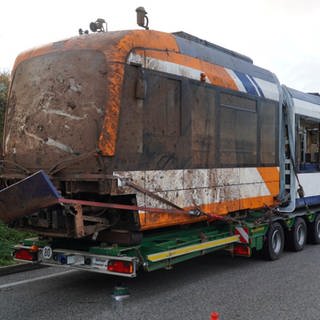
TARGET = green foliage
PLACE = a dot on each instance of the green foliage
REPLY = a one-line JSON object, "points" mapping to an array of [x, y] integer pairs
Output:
{"points": [[4, 86], [8, 238]]}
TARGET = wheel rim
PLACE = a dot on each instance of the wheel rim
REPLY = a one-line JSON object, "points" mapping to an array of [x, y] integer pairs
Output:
{"points": [[301, 235], [318, 229], [276, 241]]}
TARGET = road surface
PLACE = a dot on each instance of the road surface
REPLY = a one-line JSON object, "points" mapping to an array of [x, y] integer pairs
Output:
{"points": [[237, 288]]}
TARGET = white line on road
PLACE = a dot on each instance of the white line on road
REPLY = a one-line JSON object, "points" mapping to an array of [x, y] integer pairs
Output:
{"points": [[17, 283]]}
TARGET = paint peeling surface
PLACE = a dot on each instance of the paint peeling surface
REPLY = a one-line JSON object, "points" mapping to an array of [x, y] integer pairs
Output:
{"points": [[56, 107], [192, 68], [185, 128], [218, 191]]}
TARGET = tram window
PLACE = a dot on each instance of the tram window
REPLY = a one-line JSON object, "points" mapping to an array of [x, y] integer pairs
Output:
{"points": [[308, 144], [203, 126], [238, 130], [163, 106], [162, 121], [268, 133]]}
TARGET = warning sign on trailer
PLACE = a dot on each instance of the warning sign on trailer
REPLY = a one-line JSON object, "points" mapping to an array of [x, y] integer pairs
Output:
{"points": [[243, 233]]}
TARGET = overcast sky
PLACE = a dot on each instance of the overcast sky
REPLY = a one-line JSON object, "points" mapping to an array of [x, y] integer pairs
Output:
{"points": [[279, 35]]}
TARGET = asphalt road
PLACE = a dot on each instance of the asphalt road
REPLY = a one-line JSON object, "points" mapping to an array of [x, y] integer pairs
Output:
{"points": [[237, 288]]}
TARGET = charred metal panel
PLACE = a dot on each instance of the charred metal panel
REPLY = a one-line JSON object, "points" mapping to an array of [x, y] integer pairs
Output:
{"points": [[27, 197]]}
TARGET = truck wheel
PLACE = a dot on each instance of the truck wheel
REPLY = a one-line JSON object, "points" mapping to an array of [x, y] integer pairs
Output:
{"points": [[274, 243], [314, 231], [297, 237]]}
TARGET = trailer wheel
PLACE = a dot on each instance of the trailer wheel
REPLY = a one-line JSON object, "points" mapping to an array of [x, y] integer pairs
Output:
{"points": [[297, 237], [274, 243], [314, 231]]}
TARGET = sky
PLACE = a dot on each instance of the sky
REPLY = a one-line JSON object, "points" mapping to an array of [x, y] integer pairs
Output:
{"points": [[279, 35]]}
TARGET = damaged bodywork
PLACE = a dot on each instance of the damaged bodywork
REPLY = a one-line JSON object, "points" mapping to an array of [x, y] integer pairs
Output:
{"points": [[134, 131]]}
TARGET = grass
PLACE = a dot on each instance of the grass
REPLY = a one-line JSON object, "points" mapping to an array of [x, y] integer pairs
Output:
{"points": [[8, 238]]}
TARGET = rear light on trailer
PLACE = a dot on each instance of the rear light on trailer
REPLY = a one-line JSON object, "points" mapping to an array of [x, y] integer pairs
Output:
{"points": [[26, 254], [120, 266], [242, 251], [34, 248]]}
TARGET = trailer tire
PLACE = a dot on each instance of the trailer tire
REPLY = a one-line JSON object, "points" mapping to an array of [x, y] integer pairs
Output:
{"points": [[297, 237], [314, 231], [274, 242]]}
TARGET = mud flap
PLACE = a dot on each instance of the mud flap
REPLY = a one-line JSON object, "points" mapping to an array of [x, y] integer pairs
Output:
{"points": [[27, 197]]}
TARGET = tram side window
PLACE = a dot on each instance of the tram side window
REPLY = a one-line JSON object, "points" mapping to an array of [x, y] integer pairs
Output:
{"points": [[161, 121], [308, 144], [268, 133], [203, 126], [238, 131], [163, 106]]}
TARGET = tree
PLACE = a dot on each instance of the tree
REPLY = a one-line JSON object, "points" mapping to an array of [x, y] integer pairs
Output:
{"points": [[4, 86]]}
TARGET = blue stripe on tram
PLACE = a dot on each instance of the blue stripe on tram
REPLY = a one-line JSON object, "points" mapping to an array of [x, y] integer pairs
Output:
{"points": [[257, 86], [247, 83]]}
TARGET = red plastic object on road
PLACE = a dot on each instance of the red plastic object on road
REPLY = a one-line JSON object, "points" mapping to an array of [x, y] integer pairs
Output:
{"points": [[214, 316]]}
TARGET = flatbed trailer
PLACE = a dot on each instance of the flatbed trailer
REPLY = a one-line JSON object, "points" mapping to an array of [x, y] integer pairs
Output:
{"points": [[265, 232]]}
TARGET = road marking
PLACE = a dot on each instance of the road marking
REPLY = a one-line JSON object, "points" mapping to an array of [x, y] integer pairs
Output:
{"points": [[17, 283]]}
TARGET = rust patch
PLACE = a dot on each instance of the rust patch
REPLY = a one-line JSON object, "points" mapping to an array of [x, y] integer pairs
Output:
{"points": [[108, 134], [78, 222]]}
